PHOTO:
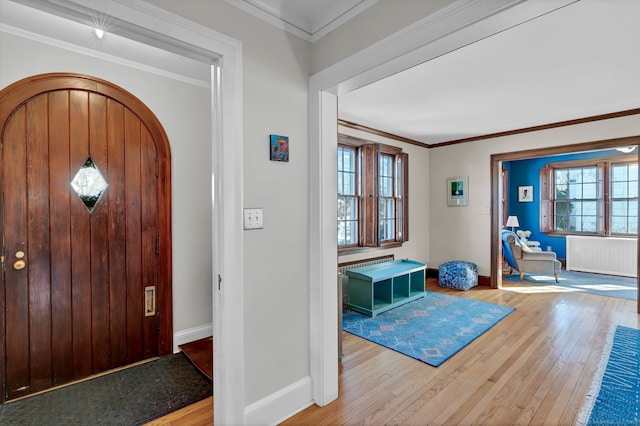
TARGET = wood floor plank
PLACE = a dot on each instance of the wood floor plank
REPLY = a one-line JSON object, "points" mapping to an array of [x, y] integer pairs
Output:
{"points": [[200, 353], [535, 367], [198, 414]]}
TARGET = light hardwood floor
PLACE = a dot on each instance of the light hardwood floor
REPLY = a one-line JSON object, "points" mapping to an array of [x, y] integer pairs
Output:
{"points": [[534, 367], [198, 414]]}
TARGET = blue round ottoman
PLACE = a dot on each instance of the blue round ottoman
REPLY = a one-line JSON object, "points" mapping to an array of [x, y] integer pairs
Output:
{"points": [[458, 274]]}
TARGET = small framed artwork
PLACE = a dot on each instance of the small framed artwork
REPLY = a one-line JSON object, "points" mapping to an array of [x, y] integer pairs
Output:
{"points": [[279, 148], [458, 191], [149, 301], [525, 194]]}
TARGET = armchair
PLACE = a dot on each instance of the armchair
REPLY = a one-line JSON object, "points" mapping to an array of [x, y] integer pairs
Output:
{"points": [[527, 260]]}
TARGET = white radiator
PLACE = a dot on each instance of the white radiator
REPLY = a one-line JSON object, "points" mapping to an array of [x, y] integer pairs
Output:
{"points": [[342, 269], [603, 255]]}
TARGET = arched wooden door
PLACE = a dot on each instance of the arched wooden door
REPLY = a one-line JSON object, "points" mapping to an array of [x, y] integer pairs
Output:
{"points": [[86, 237]]}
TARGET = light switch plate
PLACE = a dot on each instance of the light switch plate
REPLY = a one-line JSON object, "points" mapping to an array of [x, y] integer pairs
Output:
{"points": [[252, 218]]}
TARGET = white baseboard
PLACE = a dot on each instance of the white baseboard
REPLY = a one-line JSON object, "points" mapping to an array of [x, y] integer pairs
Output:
{"points": [[280, 405], [191, 334]]}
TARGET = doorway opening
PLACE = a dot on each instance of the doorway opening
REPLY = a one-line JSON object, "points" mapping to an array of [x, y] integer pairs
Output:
{"points": [[86, 231], [498, 188], [150, 25]]}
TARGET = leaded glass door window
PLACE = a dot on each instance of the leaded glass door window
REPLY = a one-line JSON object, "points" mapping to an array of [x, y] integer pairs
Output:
{"points": [[89, 184]]}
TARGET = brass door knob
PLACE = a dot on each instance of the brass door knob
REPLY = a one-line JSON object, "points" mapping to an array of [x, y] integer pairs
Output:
{"points": [[19, 264]]}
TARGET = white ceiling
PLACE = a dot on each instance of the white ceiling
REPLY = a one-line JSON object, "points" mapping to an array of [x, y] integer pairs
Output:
{"points": [[308, 19], [37, 20], [579, 61]]}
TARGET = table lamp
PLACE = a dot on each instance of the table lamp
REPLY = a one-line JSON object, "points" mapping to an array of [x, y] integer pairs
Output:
{"points": [[512, 221]]}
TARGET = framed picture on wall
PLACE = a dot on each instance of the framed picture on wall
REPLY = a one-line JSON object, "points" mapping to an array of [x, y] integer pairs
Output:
{"points": [[525, 194], [279, 148], [458, 191]]}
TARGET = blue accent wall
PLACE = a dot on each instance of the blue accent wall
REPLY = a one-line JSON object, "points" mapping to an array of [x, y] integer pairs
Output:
{"points": [[527, 173]]}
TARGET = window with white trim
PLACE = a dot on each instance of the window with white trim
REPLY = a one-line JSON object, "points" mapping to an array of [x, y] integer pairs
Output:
{"points": [[597, 197]]}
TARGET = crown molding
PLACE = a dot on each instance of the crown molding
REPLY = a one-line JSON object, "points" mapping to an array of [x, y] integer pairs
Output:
{"points": [[310, 30], [573, 122]]}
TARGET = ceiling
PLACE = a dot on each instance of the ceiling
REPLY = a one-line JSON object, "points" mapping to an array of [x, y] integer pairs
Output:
{"points": [[579, 61], [576, 62], [308, 19]]}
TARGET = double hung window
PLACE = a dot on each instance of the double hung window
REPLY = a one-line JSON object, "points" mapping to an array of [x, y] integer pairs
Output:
{"points": [[348, 199], [372, 195], [593, 198]]}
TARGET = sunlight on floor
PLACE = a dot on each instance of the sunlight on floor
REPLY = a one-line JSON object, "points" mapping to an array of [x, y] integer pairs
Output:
{"points": [[605, 287], [539, 289], [545, 278]]}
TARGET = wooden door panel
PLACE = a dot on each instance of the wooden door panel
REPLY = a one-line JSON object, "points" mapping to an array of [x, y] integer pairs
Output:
{"points": [[133, 260], [38, 249], [80, 237], [16, 282], [78, 307], [59, 169], [99, 218], [149, 205], [117, 236]]}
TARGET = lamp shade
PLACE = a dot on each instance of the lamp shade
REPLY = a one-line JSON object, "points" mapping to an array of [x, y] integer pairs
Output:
{"points": [[512, 221]]}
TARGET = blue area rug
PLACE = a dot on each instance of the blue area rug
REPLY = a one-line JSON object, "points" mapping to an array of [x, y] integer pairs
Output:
{"points": [[430, 329], [618, 392]]}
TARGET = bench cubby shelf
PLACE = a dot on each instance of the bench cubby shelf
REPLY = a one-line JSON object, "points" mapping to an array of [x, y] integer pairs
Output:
{"points": [[378, 288]]}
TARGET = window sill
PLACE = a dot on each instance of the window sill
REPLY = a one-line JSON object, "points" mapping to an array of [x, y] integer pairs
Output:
{"points": [[354, 250], [587, 234]]}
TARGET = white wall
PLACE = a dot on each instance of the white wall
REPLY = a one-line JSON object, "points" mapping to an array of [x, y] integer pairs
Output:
{"points": [[417, 248], [276, 73], [276, 294], [184, 111], [275, 87], [465, 232], [276, 258]]}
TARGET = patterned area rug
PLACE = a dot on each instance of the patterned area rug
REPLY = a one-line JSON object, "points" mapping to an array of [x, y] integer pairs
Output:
{"points": [[430, 329], [569, 281], [618, 387], [132, 396]]}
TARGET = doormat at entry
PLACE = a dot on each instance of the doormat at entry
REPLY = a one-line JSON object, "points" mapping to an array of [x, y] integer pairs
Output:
{"points": [[131, 396]]}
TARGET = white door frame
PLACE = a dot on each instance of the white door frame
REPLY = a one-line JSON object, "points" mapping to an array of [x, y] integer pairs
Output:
{"points": [[145, 23], [462, 23]]}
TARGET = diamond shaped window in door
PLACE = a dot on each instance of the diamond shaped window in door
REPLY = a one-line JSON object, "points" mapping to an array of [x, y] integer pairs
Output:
{"points": [[89, 184]]}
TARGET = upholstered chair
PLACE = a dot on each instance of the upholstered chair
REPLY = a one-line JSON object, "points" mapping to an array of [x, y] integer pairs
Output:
{"points": [[525, 259]]}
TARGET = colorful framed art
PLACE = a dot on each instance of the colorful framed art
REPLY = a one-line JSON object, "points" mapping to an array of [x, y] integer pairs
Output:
{"points": [[458, 191], [279, 148]]}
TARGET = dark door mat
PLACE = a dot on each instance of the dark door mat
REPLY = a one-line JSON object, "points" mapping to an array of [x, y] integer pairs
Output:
{"points": [[132, 396]]}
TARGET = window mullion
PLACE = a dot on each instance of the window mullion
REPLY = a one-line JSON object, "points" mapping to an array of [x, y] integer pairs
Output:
{"points": [[369, 197], [603, 200], [376, 192]]}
